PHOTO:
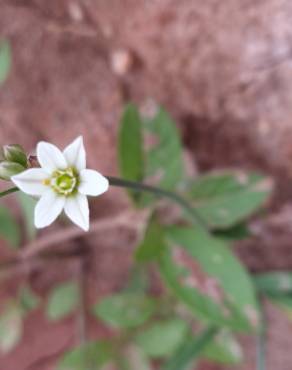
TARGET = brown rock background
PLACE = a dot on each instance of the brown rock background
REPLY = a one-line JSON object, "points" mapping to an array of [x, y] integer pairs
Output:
{"points": [[222, 68]]}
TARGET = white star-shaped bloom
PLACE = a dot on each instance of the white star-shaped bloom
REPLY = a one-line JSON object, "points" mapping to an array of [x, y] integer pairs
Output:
{"points": [[62, 182]]}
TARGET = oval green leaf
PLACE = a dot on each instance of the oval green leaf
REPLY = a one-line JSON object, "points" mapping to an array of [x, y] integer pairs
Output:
{"points": [[62, 301], [125, 310]]}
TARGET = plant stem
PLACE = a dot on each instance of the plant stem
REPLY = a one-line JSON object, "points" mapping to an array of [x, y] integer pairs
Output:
{"points": [[260, 349], [261, 344], [82, 329], [191, 350], [8, 191], [136, 186]]}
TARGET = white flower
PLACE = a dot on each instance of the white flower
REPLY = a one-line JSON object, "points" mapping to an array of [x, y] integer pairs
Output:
{"points": [[62, 182]]}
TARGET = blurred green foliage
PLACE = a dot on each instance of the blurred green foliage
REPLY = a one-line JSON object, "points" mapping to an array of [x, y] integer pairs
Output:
{"points": [[224, 349], [10, 326], [218, 261], [125, 310], [163, 337], [130, 151], [5, 60], [153, 244], [28, 300], [93, 355], [164, 156], [27, 205], [9, 228], [227, 198], [62, 300], [10, 231]]}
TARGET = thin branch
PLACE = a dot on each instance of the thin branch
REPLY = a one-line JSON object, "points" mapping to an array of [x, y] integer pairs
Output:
{"points": [[82, 31], [124, 219], [82, 312], [261, 342], [183, 203], [8, 191], [30, 253], [15, 267]]}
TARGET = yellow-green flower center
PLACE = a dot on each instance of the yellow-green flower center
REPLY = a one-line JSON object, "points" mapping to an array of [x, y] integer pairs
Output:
{"points": [[64, 182]]}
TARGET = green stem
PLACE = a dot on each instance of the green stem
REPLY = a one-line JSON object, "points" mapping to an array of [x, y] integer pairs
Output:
{"points": [[8, 191], [191, 350], [261, 344], [136, 186]]}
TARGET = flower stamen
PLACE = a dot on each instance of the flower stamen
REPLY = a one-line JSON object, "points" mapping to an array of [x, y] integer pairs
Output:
{"points": [[64, 182], [47, 182]]}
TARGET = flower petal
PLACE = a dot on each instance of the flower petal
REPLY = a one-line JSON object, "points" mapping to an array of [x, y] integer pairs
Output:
{"points": [[92, 183], [50, 157], [75, 154], [76, 208], [48, 209], [31, 181]]}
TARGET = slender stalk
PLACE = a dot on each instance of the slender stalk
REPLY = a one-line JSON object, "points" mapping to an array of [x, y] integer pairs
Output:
{"points": [[8, 191], [260, 350], [190, 350], [82, 328], [261, 344], [136, 186]]}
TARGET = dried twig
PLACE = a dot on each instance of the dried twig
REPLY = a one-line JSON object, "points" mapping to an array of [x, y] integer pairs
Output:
{"points": [[31, 255], [125, 219]]}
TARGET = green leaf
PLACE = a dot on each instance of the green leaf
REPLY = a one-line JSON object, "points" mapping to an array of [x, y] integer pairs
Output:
{"points": [[161, 164], [165, 159], [190, 350], [224, 349], [138, 281], [27, 204], [133, 359], [5, 60], [8, 191], [125, 310], [63, 300], [200, 304], [153, 244], [227, 198], [218, 261], [130, 147], [239, 309], [274, 283], [9, 229], [10, 327], [93, 355], [162, 338], [28, 299]]}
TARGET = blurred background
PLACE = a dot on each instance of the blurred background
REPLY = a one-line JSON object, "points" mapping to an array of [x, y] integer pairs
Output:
{"points": [[221, 68]]}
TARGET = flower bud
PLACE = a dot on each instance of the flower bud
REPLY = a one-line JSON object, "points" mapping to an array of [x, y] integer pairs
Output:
{"points": [[8, 169], [15, 153]]}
